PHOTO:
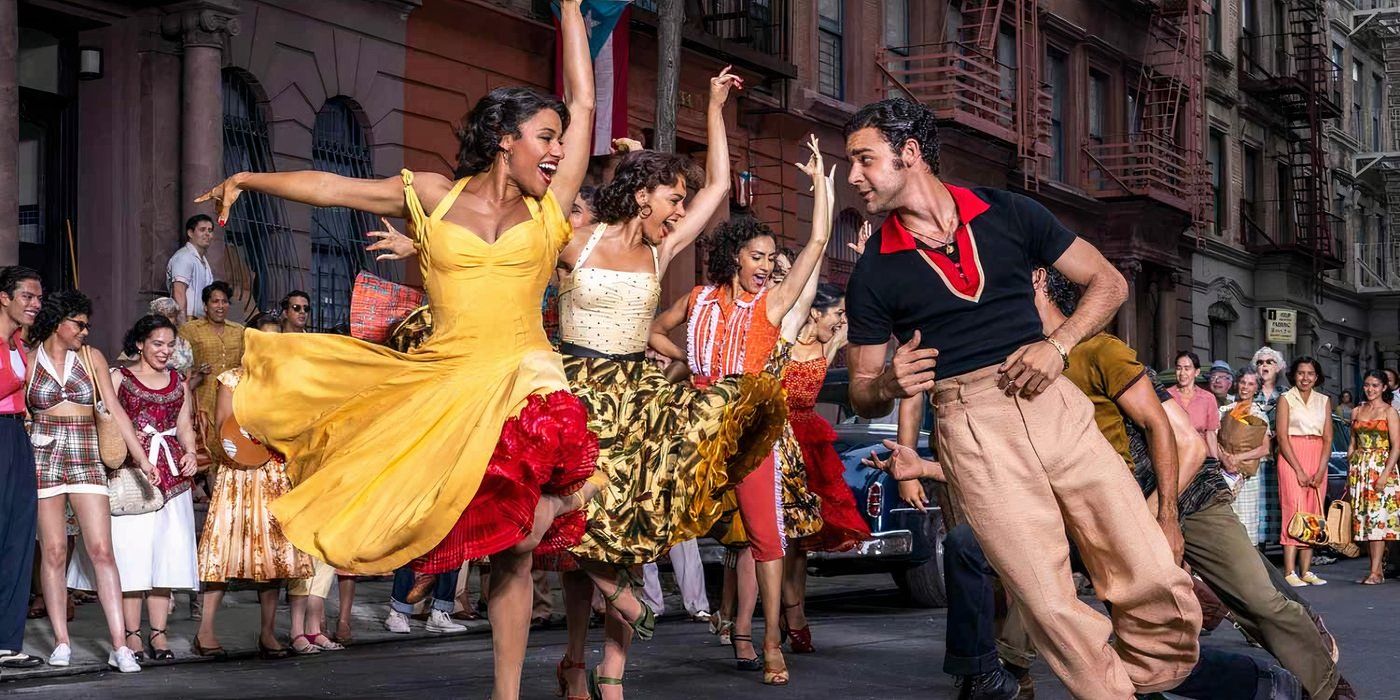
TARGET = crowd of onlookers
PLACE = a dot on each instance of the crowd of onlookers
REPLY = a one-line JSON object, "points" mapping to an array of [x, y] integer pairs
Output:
{"points": [[1274, 430]]}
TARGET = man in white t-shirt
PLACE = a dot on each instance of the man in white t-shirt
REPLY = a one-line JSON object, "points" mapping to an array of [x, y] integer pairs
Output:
{"points": [[188, 273]]}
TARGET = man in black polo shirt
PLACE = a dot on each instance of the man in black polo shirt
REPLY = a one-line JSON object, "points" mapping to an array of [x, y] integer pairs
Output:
{"points": [[949, 276]]}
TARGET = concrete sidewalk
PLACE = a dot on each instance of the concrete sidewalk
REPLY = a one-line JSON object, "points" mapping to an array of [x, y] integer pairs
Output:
{"points": [[238, 624], [237, 630]]}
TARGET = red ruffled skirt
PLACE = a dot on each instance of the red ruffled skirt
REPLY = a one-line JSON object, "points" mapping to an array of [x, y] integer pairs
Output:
{"points": [[546, 449], [842, 525]]}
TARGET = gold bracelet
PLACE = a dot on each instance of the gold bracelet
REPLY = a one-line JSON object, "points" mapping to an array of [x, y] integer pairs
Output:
{"points": [[1064, 355]]}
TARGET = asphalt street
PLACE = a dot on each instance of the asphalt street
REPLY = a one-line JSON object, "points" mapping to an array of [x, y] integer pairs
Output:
{"points": [[869, 646]]}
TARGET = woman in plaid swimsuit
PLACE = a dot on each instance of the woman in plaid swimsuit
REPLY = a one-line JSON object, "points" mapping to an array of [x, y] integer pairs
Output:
{"points": [[61, 395]]}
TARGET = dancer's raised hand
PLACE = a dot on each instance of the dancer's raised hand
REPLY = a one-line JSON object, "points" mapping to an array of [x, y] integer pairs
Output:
{"points": [[721, 84], [626, 145], [223, 195], [397, 245], [861, 238]]}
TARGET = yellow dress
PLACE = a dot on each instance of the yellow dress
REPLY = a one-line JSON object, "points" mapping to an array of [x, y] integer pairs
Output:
{"points": [[386, 449]]}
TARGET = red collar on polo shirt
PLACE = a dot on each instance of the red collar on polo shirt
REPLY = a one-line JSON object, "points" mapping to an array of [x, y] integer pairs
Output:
{"points": [[894, 238]]}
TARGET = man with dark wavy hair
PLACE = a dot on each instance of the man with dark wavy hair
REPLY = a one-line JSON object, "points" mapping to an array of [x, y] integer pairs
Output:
{"points": [[20, 296], [949, 276]]}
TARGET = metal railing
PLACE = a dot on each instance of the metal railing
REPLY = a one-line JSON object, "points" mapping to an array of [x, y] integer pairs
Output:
{"points": [[1272, 62], [1138, 164], [960, 82], [1374, 266], [754, 23]]}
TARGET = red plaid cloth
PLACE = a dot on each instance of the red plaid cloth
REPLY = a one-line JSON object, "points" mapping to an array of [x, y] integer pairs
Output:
{"points": [[378, 305]]}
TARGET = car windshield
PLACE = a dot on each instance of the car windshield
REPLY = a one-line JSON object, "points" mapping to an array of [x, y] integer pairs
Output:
{"points": [[1341, 435]]}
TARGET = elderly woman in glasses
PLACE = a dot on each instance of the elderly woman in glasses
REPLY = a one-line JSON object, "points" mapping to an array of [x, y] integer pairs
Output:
{"points": [[1270, 365]]}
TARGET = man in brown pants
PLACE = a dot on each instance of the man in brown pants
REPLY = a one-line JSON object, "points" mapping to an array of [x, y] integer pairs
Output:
{"points": [[1018, 442]]}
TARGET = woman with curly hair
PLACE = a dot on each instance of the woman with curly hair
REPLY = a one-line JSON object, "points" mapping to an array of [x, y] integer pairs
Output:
{"points": [[65, 382], [155, 552], [659, 485], [483, 401], [822, 335], [733, 328]]}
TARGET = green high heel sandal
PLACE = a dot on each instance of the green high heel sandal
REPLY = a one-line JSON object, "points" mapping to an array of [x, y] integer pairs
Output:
{"points": [[645, 624], [595, 683]]}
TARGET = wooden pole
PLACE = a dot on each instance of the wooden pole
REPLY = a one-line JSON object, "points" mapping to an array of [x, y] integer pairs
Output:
{"points": [[72, 251], [672, 15]]}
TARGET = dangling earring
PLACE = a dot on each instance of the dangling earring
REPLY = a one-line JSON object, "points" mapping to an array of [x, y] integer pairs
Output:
{"points": [[645, 211]]}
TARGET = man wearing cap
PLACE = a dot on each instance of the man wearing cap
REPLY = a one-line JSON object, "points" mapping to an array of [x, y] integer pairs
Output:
{"points": [[1222, 380]]}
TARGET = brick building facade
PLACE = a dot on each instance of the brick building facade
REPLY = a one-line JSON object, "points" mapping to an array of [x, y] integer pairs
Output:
{"points": [[1148, 127]]}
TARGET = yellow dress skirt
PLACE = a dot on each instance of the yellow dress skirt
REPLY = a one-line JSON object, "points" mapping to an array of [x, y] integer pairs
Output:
{"points": [[439, 454]]}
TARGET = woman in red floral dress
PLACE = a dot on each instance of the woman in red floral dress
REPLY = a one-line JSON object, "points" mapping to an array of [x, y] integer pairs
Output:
{"points": [[842, 526]]}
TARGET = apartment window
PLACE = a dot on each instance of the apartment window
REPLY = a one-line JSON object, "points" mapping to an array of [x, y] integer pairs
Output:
{"points": [[1098, 105], [1377, 99], [1006, 60], [264, 260], [1249, 195], [1283, 184], [1057, 74], [1217, 176], [339, 145], [1356, 95], [1382, 244], [952, 23], [1337, 62], [1213, 27], [1134, 112], [896, 23], [1249, 29], [1339, 203], [830, 50]]}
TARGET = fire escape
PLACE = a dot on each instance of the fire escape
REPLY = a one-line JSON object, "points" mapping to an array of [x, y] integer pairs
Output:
{"points": [[1376, 264], [1299, 90], [1161, 157], [983, 79]]}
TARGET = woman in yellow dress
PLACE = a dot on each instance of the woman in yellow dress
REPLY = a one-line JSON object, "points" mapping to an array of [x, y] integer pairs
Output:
{"points": [[468, 445]]}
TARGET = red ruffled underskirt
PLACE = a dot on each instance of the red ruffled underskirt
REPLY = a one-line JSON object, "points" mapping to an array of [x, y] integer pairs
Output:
{"points": [[546, 449], [842, 525]]}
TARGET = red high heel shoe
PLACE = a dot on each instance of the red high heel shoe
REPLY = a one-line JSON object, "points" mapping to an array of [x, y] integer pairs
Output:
{"points": [[799, 640], [565, 665]]}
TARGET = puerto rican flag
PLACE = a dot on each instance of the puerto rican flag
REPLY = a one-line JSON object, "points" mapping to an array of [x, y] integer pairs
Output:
{"points": [[610, 52]]}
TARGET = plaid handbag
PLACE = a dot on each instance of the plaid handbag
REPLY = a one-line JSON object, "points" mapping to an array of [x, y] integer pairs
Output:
{"points": [[378, 305]]}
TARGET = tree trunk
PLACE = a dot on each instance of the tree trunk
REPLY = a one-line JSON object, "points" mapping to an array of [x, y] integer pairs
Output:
{"points": [[672, 14]]}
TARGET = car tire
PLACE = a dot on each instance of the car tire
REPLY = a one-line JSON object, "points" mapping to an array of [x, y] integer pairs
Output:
{"points": [[922, 585]]}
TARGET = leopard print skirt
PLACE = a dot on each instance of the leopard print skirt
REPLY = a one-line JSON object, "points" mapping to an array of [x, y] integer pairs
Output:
{"points": [[668, 452]]}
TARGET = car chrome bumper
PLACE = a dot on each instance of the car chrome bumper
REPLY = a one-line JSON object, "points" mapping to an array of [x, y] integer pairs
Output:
{"points": [[887, 544], [891, 543]]}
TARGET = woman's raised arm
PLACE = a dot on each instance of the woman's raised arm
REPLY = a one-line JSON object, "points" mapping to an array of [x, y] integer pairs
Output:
{"points": [[578, 96], [383, 197]]}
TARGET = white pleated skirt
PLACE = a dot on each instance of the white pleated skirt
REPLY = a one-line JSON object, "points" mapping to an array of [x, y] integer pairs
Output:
{"points": [[153, 550]]}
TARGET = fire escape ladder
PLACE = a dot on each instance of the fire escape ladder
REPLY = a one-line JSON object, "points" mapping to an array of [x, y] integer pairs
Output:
{"points": [[981, 25], [1170, 90], [1032, 102], [1306, 19]]}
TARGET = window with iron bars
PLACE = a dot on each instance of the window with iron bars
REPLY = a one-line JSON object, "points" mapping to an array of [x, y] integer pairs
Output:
{"points": [[262, 264], [831, 63], [339, 145], [754, 23]]}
